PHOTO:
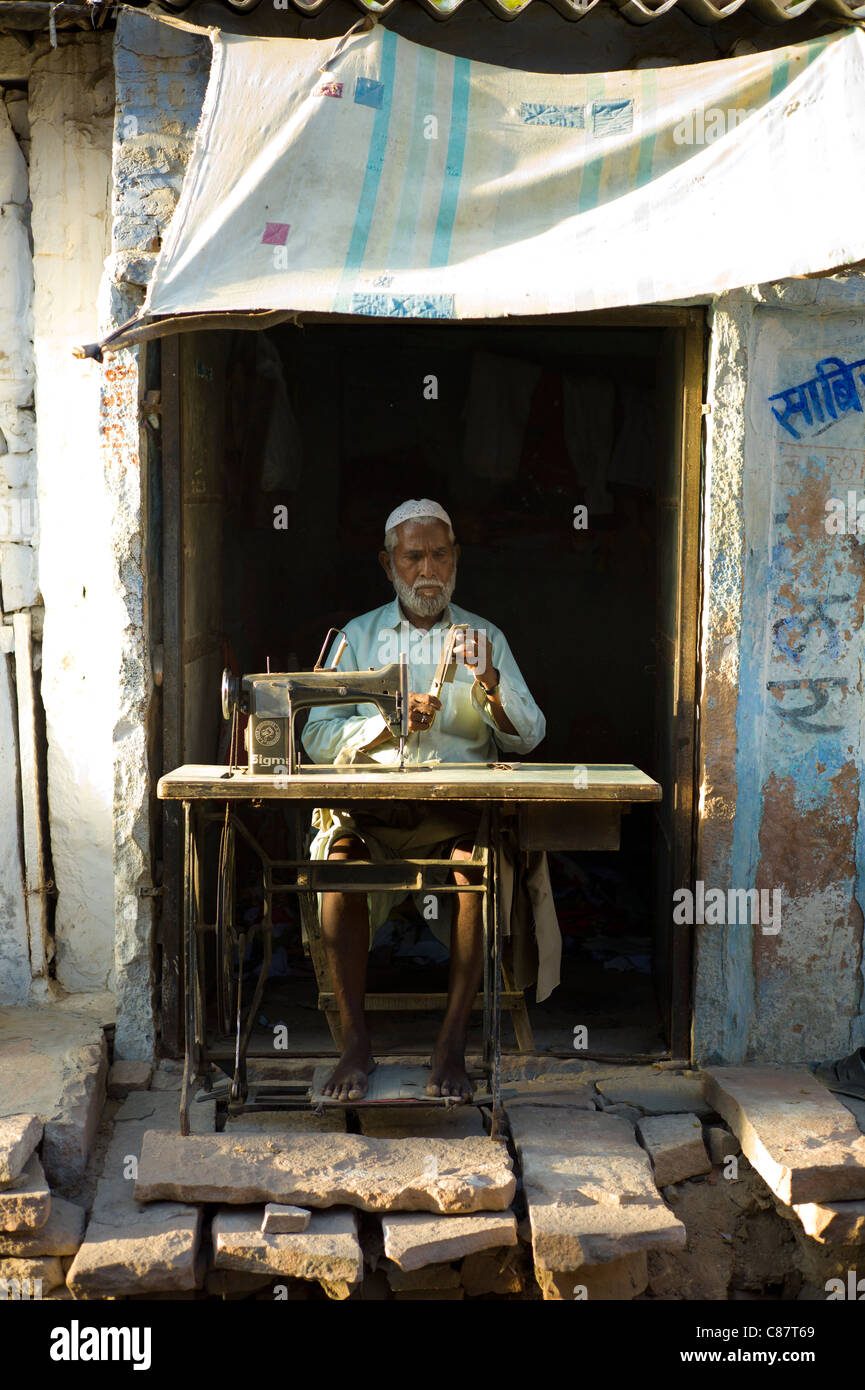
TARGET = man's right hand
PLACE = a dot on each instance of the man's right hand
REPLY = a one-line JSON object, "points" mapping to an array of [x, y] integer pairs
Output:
{"points": [[421, 712]]}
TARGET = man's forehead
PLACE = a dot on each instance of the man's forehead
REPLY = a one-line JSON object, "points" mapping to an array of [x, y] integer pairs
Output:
{"points": [[421, 532]]}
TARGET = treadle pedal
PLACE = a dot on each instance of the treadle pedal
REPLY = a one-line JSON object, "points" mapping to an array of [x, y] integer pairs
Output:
{"points": [[390, 1084]]}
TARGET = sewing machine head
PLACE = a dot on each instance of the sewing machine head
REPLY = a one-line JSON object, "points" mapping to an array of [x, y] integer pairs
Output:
{"points": [[273, 699]]}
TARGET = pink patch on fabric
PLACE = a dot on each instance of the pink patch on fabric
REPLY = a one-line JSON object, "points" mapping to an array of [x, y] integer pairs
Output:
{"points": [[329, 89], [275, 233]]}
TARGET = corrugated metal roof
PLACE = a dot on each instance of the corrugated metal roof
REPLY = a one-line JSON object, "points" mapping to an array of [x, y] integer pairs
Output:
{"points": [[40, 14], [636, 11]]}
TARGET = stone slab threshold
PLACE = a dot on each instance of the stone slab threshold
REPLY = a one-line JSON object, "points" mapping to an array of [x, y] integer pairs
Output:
{"points": [[803, 1142], [316, 1170], [590, 1191], [833, 1223], [130, 1249], [53, 1063], [26, 1205], [328, 1251]]}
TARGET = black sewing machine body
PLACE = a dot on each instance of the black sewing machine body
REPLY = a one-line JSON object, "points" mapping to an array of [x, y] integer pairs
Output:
{"points": [[272, 700]]}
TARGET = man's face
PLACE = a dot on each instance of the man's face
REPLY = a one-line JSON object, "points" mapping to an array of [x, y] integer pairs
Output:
{"points": [[423, 566]]}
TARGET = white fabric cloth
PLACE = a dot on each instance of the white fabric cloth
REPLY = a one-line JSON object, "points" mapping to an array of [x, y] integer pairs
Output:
{"points": [[406, 182]]}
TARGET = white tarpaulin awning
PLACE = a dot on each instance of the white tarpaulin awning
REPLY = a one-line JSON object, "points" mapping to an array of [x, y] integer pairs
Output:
{"points": [[405, 182]]}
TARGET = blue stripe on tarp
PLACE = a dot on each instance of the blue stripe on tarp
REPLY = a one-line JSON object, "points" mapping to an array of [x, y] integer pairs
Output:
{"points": [[454, 163], [405, 231], [404, 306], [372, 178], [648, 105], [590, 177], [780, 77]]}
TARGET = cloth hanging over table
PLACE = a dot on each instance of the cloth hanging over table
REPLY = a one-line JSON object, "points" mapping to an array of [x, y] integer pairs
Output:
{"points": [[410, 183]]}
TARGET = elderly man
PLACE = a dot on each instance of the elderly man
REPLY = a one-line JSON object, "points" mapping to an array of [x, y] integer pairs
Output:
{"points": [[487, 710]]}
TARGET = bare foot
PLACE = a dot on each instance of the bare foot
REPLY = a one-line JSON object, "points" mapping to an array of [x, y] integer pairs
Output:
{"points": [[448, 1075], [349, 1079]]}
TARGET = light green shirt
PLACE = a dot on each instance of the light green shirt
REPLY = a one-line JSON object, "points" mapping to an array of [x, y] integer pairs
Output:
{"points": [[464, 728]]}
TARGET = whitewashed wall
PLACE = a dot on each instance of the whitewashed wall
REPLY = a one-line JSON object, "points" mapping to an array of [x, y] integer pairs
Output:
{"points": [[71, 113]]}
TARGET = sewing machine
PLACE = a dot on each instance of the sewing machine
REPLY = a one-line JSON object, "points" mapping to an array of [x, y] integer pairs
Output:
{"points": [[272, 700], [544, 806]]}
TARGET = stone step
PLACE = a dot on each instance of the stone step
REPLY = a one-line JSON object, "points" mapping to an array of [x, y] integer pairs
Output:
{"points": [[433, 1276], [415, 1239], [833, 1223], [61, 1234], [589, 1188], [804, 1144], [654, 1091], [318, 1170], [616, 1281], [327, 1251], [675, 1145], [129, 1248], [460, 1122], [29, 1279], [19, 1135], [27, 1205], [53, 1063], [281, 1220], [125, 1077]]}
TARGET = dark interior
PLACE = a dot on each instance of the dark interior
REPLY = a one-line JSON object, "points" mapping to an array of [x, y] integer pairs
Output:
{"points": [[296, 444], [328, 428]]}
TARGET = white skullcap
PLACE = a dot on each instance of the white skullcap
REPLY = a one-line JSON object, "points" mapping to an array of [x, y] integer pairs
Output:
{"points": [[417, 507]]}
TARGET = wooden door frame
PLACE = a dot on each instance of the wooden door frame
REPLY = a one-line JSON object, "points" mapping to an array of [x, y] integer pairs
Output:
{"points": [[691, 322]]}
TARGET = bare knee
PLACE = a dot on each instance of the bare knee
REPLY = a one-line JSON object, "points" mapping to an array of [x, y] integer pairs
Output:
{"points": [[348, 847], [462, 853]]}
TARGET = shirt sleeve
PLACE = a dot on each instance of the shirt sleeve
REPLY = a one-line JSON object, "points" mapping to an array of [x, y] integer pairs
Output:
{"points": [[516, 700], [335, 732]]}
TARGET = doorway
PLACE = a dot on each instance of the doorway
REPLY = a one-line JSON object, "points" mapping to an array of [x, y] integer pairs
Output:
{"points": [[568, 456]]}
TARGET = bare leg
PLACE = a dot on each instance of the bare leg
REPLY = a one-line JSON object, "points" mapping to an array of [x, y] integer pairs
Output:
{"points": [[448, 1076], [345, 936]]}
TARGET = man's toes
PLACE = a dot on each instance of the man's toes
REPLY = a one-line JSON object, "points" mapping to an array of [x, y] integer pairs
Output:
{"points": [[433, 1088], [357, 1092]]}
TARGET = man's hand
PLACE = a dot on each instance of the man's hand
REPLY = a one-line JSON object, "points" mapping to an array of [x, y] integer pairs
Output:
{"points": [[474, 649], [421, 712]]}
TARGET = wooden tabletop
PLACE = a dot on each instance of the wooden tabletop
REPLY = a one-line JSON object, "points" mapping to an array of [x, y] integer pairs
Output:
{"points": [[323, 785]]}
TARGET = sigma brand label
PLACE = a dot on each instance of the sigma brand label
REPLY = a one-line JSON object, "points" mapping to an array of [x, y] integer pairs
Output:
{"points": [[269, 749]]}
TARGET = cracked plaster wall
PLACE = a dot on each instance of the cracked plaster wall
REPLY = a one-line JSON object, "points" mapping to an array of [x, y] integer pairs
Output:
{"points": [[71, 113], [782, 706]]}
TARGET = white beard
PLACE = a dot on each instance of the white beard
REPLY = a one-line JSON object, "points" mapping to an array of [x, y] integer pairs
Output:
{"points": [[422, 605]]}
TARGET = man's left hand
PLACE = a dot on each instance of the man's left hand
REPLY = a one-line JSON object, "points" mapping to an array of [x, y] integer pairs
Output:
{"points": [[474, 649]]}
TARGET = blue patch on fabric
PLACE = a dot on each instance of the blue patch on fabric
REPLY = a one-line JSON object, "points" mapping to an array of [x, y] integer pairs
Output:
{"points": [[368, 92], [612, 117], [404, 306], [540, 113]]}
